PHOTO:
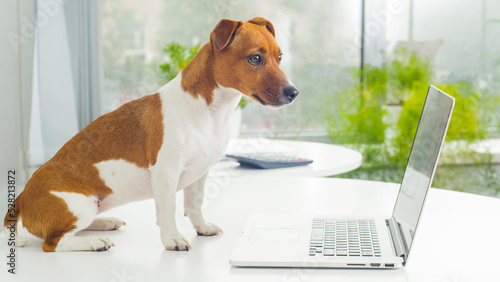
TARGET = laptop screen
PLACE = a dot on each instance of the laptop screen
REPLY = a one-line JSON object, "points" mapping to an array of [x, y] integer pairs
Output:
{"points": [[422, 162]]}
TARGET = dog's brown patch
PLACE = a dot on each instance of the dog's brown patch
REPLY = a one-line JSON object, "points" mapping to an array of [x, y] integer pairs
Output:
{"points": [[198, 77]]}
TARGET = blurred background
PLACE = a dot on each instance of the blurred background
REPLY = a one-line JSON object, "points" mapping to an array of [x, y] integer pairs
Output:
{"points": [[362, 68]]}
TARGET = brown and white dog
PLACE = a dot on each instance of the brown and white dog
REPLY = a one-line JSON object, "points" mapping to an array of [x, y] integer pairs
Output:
{"points": [[156, 145]]}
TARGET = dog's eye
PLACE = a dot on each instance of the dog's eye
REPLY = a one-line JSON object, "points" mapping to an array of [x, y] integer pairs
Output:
{"points": [[255, 59], [280, 56]]}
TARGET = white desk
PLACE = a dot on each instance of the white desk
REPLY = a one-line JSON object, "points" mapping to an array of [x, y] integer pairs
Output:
{"points": [[457, 241], [328, 159]]}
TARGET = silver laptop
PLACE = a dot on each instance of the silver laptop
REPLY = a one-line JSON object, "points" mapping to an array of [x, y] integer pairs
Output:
{"points": [[303, 241]]}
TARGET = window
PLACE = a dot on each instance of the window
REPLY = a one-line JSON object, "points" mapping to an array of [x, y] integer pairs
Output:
{"points": [[325, 44]]}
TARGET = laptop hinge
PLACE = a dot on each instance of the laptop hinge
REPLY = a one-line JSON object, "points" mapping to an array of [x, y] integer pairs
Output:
{"points": [[397, 239]]}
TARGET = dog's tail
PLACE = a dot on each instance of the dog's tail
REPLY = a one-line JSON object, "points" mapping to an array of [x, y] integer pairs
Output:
{"points": [[10, 224]]}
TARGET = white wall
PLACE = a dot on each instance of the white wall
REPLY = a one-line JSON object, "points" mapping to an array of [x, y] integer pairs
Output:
{"points": [[16, 59]]}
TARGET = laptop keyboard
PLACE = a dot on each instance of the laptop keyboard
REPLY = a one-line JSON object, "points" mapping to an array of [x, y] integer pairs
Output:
{"points": [[337, 237]]}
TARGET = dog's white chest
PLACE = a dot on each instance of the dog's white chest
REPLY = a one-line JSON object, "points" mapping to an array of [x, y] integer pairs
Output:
{"points": [[203, 155], [195, 135]]}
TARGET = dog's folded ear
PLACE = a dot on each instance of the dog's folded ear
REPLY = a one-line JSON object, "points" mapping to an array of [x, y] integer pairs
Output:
{"points": [[262, 21], [223, 33]]}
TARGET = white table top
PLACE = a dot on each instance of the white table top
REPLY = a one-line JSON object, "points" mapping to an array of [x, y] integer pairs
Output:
{"points": [[457, 239], [328, 159]]}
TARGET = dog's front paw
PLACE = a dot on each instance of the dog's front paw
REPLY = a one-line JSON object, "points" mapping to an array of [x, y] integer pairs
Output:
{"points": [[208, 229], [175, 242]]}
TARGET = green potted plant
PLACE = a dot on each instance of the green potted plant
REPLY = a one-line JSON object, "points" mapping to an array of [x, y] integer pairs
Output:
{"points": [[179, 57], [379, 115]]}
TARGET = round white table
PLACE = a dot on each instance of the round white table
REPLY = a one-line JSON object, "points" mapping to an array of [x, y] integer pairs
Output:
{"points": [[327, 159], [457, 239]]}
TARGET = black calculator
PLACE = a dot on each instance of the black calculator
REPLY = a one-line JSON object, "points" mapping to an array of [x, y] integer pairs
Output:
{"points": [[269, 160]]}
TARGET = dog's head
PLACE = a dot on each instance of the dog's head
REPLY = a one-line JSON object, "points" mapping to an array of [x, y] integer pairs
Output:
{"points": [[247, 58]]}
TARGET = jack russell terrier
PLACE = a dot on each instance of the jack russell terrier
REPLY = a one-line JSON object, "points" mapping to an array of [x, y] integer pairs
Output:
{"points": [[154, 146]]}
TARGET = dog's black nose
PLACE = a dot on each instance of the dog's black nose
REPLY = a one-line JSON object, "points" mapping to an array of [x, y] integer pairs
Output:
{"points": [[291, 92]]}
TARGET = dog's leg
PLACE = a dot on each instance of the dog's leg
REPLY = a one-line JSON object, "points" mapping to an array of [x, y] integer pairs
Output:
{"points": [[193, 200], [164, 183], [75, 213], [105, 224]]}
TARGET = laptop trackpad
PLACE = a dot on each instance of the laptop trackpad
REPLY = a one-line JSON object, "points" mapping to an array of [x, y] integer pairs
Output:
{"points": [[275, 235]]}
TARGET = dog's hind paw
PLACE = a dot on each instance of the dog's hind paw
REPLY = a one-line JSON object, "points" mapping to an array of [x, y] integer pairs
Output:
{"points": [[105, 224], [208, 229], [90, 243]]}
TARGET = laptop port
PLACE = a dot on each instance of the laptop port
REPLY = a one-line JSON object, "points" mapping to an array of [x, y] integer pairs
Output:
{"points": [[356, 264], [374, 264], [389, 265]]}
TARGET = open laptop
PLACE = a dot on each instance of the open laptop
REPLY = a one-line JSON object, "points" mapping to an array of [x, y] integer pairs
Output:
{"points": [[304, 241]]}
